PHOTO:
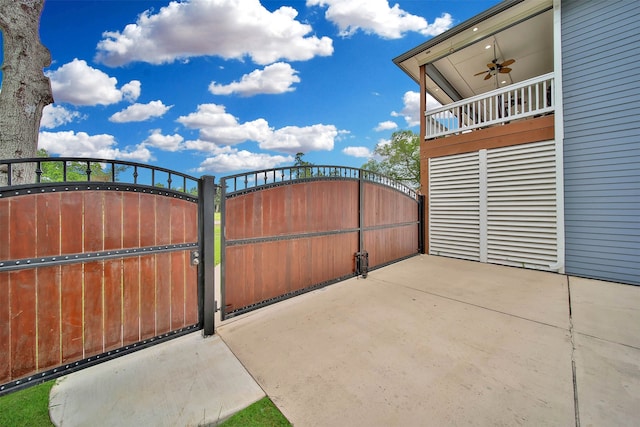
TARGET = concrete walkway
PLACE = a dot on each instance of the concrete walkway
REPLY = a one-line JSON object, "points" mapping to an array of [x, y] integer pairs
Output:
{"points": [[188, 381], [433, 341], [429, 341]]}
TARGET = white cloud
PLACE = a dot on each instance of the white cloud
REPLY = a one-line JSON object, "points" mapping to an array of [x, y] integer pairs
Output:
{"points": [[388, 125], [363, 152], [79, 84], [227, 28], [377, 17], [56, 115], [164, 142], [140, 112], [131, 90], [293, 139], [217, 126], [81, 144], [273, 79], [241, 160], [382, 142], [220, 127], [208, 147], [411, 110]]}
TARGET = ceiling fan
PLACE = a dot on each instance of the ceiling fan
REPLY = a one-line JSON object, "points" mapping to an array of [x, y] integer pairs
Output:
{"points": [[496, 67]]}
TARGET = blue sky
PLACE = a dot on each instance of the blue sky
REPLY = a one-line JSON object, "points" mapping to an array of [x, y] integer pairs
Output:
{"points": [[224, 86]]}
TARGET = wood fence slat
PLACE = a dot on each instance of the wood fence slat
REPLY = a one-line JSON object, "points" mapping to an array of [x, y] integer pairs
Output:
{"points": [[94, 216], [5, 209], [147, 296], [5, 327], [72, 339], [191, 295], [48, 317], [178, 209], [113, 304], [131, 220], [93, 327], [48, 224], [191, 223], [22, 228], [113, 217], [71, 209], [131, 297], [147, 224], [163, 293], [178, 265], [163, 221], [23, 322]]}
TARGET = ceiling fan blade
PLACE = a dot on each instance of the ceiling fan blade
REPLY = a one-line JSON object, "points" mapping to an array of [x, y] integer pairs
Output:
{"points": [[508, 62], [488, 76], [481, 72], [491, 65], [505, 70]]}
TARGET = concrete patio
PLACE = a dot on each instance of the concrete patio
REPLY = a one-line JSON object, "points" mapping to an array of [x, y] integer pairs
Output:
{"points": [[428, 341], [438, 341]]}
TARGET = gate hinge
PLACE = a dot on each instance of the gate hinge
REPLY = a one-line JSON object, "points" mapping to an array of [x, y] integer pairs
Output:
{"points": [[362, 264]]}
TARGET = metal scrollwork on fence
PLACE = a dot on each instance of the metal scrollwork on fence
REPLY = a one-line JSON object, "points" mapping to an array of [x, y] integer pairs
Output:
{"points": [[50, 171], [255, 180]]}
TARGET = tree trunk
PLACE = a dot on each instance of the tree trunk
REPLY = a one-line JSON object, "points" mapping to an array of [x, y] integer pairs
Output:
{"points": [[25, 88]]}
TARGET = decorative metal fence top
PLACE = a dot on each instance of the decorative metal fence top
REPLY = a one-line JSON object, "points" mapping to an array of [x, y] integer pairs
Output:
{"points": [[57, 170], [251, 181]]}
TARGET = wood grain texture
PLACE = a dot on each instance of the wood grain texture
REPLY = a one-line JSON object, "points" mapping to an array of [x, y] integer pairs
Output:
{"points": [[48, 317], [5, 328], [23, 322], [515, 133]]}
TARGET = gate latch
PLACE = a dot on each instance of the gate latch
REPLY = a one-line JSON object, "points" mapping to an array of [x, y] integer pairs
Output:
{"points": [[195, 257], [362, 264]]}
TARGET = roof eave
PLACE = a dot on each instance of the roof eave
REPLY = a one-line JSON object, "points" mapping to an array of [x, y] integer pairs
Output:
{"points": [[469, 23]]}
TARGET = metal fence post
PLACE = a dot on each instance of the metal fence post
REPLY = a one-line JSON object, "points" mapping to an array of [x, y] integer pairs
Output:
{"points": [[360, 212], [206, 271], [422, 223]]}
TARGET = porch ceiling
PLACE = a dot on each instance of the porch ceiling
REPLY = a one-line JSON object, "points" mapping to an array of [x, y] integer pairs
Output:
{"points": [[520, 30]]}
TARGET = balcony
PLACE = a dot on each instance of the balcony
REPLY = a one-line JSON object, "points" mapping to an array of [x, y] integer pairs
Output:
{"points": [[527, 99]]}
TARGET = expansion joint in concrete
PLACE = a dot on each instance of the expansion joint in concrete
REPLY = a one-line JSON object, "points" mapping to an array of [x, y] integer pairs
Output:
{"points": [[573, 358]]}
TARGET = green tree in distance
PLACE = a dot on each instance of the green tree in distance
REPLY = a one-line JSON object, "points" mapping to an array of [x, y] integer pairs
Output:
{"points": [[399, 159], [76, 171], [304, 168]]}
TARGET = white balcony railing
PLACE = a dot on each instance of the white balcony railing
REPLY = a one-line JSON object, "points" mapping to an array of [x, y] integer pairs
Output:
{"points": [[525, 99]]}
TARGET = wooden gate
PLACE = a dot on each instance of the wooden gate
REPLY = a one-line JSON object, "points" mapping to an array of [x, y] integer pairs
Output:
{"points": [[292, 230], [90, 269]]}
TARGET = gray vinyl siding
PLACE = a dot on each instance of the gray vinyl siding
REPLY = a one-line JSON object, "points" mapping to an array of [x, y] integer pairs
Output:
{"points": [[601, 96]]}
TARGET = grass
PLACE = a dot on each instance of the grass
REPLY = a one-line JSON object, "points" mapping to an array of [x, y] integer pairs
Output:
{"points": [[216, 243], [28, 407], [263, 413]]}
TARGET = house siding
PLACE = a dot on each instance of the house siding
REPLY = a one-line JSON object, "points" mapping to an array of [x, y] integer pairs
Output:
{"points": [[601, 94]]}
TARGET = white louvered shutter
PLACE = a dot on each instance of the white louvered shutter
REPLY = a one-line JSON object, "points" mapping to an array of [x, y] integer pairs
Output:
{"points": [[497, 205], [454, 220], [521, 205]]}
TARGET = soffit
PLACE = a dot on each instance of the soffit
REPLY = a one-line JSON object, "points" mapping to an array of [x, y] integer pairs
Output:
{"points": [[523, 32]]}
